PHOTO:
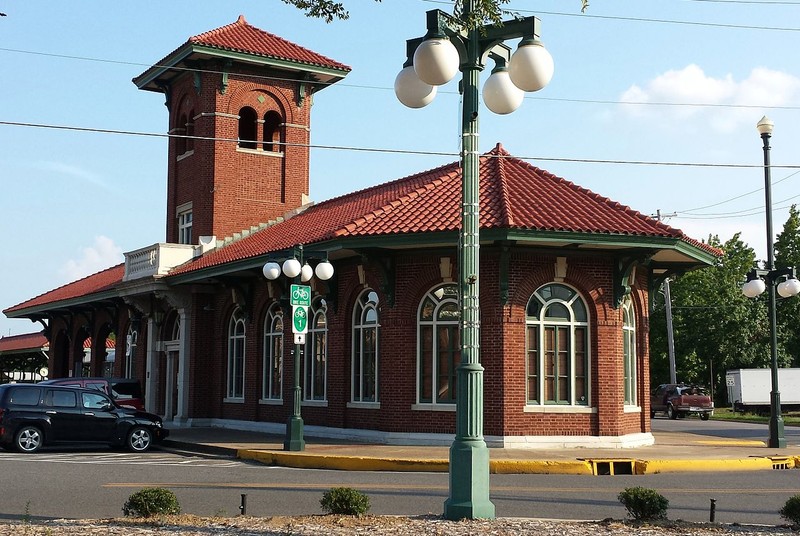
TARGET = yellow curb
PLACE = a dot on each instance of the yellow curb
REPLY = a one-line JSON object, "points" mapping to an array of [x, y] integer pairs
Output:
{"points": [[539, 467], [652, 467], [732, 443], [344, 463]]}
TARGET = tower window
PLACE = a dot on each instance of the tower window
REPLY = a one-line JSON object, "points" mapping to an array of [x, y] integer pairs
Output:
{"points": [[184, 214], [180, 147], [248, 132], [272, 132]]}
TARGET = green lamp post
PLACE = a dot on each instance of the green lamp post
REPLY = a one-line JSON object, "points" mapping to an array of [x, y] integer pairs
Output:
{"points": [[296, 270], [783, 280], [451, 45]]}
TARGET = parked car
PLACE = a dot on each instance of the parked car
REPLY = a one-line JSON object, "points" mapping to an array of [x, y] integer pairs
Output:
{"points": [[125, 391], [679, 400], [34, 415]]}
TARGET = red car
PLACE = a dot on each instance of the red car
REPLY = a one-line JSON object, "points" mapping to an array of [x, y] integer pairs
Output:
{"points": [[126, 392], [679, 400]]}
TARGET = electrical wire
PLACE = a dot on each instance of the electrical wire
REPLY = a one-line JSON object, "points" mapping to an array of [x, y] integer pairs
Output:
{"points": [[396, 151]]}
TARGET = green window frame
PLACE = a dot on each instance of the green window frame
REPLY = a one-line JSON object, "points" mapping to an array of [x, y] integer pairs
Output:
{"points": [[366, 328], [272, 380], [629, 353], [557, 347], [438, 346], [236, 348]]}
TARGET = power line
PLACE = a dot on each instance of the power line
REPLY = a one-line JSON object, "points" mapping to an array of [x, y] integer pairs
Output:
{"points": [[396, 151], [387, 88], [738, 196]]}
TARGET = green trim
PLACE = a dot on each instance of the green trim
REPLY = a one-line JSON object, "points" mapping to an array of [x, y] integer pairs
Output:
{"points": [[154, 73]]}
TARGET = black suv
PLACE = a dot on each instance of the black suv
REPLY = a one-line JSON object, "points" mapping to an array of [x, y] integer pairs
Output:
{"points": [[33, 415]]}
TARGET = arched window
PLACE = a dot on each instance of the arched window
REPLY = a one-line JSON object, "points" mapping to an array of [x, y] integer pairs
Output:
{"points": [[316, 353], [272, 381], [236, 343], [190, 131], [248, 131], [130, 351], [272, 132], [438, 345], [365, 348], [180, 131], [557, 344], [629, 352]]}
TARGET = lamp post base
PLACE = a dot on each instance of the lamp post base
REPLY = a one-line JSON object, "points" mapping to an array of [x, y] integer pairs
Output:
{"points": [[777, 438], [469, 482], [294, 435]]}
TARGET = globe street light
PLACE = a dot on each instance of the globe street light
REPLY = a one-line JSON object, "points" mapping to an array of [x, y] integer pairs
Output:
{"points": [[297, 270], [450, 45], [760, 280]]}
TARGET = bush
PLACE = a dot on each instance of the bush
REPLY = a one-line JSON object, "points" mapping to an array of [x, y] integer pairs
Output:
{"points": [[644, 504], [791, 510], [345, 501], [149, 502]]}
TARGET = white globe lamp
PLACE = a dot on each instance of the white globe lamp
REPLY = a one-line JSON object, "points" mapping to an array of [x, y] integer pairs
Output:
{"points": [[436, 61], [324, 270], [291, 268], [789, 288], [754, 288], [500, 94], [411, 91], [531, 66], [272, 270], [306, 273]]}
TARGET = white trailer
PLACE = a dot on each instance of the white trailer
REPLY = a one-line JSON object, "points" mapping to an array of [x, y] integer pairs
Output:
{"points": [[749, 389]]}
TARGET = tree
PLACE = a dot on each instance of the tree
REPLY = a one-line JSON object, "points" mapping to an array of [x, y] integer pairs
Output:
{"points": [[714, 325], [485, 10], [787, 253]]}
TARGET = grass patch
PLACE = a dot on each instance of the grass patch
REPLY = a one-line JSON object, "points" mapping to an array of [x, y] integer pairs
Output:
{"points": [[727, 414]]}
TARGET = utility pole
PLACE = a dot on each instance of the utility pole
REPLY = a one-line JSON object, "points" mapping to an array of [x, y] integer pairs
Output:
{"points": [[673, 378]]}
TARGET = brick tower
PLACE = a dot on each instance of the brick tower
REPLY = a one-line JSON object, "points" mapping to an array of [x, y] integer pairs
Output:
{"points": [[239, 102]]}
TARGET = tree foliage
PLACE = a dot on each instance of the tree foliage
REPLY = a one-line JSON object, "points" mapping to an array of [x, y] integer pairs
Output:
{"points": [[715, 327], [787, 253], [485, 10]]}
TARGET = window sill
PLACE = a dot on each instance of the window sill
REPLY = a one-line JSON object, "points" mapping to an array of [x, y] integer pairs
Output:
{"points": [[632, 409], [187, 154], [261, 152], [364, 405], [233, 400], [554, 408], [314, 403], [271, 401], [433, 407]]}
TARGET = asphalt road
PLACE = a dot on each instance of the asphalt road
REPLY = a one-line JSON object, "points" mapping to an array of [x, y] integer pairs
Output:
{"points": [[95, 484], [723, 429]]}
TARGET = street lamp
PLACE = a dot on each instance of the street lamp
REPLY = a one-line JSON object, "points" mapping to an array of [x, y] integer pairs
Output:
{"points": [[760, 280], [296, 269], [450, 45]]}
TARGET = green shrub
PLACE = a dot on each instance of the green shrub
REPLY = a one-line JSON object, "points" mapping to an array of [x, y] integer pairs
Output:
{"points": [[791, 510], [345, 501], [148, 502], [644, 504]]}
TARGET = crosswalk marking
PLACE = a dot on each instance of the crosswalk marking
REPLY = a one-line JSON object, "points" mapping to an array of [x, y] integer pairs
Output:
{"points": [[120, 458]]}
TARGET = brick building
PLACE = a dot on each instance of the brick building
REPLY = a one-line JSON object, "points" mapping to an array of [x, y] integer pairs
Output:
{"points": [[566, 277]]}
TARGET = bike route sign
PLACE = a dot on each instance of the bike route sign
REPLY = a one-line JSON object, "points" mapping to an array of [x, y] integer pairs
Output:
{"points": [[300, 295], [299, 319]]}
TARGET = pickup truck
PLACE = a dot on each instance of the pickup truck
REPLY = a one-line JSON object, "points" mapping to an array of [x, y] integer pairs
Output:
{"points": [[679, 400]]}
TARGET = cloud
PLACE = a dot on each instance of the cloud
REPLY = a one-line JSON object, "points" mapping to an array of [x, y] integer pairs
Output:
{"points": [[103, 254], [71, 171], [691, 85]]}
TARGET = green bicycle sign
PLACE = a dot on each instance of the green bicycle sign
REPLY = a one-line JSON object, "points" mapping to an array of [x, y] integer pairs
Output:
{"points": [[299, 319], [300, 295]]}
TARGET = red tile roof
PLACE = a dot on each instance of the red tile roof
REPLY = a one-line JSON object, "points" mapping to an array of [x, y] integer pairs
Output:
{"points": [[105, 280], [28, 341], [514, 195], [241, 36]]}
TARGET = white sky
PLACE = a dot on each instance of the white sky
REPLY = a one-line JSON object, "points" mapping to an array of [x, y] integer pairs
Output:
{"points": [[72, 202]]}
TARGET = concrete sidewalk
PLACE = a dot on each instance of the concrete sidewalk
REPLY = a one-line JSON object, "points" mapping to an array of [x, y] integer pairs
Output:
{"points": [[672, 452]]}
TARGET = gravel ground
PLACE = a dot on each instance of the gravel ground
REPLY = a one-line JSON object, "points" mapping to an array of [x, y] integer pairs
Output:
{"points": [[391, 525]]}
